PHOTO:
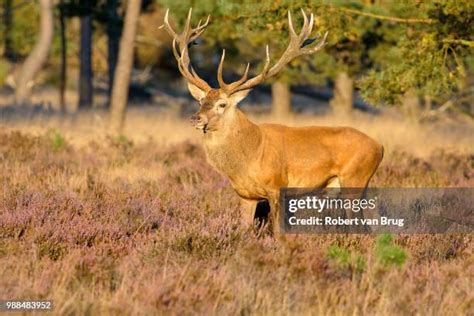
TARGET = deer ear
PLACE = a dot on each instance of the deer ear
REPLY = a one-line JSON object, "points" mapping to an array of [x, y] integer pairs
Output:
{"points": [[239, 96], [196, 92]]}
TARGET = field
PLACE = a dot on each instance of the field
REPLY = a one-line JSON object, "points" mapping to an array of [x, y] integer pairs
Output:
{"points": [[143, 225]]}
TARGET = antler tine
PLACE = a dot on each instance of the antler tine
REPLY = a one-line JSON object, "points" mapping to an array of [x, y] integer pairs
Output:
{"points": [[229, 87], [305, 32], [243, 83], [237, 83], [290, 24], [221, 81], [187, 26], [311, 23], [305, 23], [200, 29], [168, 27], [266, 67], [320, 45]]}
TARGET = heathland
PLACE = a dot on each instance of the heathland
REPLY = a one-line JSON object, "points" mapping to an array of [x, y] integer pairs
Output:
{"points": [[143, 225]]}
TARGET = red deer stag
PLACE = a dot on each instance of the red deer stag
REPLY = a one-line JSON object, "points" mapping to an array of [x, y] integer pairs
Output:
{"points": [[261, 159]]}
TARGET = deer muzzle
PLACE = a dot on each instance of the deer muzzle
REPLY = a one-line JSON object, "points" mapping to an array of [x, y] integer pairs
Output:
{"points": [[199, 121]]}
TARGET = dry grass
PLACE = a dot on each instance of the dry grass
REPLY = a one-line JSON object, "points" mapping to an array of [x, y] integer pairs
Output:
{"points": [[163, 127], [144, 226]]}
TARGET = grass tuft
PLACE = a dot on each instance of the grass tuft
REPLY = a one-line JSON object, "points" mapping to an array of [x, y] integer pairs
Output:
{"points": [[389, 254]]}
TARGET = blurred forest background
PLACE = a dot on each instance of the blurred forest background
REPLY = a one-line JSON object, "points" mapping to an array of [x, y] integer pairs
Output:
{"points": [[65, 55]]}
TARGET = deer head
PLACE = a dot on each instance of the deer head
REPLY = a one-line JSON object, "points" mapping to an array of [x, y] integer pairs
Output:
{"points": [[218, 105]]}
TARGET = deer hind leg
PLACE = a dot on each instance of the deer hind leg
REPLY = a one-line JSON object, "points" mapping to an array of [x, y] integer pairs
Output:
{"points": [[358, 173], [357, 185], [334, 184], [262, 213]]}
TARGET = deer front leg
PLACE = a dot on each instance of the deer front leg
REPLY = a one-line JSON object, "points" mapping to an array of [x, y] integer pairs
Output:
{"points": [[247, 213], [275, 211]]}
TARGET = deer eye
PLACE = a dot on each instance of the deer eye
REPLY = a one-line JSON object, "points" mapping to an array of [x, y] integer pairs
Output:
{"points": [[222, 105]]}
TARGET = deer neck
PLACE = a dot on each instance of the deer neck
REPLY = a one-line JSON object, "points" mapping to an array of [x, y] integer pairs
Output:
{"points": [[231, 149]]}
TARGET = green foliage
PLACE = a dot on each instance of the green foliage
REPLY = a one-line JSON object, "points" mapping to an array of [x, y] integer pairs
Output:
{"points": [[346, 260], [23, 33], [4, 69], [340, 255], [123, 141], [387, 253], [389, 47], [423, 68], [57, 140], [428, 53], [426, 57]]}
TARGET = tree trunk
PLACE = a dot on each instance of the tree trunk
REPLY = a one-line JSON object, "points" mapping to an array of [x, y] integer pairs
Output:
{"points": [[341, 103], [411, 106], [85, 68], [113, 35], [63, 73], [39, 54], [123, 70], [428, 104], [281, 99], [8, 51]]}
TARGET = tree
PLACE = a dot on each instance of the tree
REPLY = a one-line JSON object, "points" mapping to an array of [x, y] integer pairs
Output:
{"points": [[95, 16], [343, 94], [123, 70], [383, 48], [8, 51], [85, 60], [38, 56], [427, 56], [281, 99], [62, 74], [113, 37]]}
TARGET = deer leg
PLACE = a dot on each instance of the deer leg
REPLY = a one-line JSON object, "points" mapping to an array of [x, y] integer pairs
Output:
{"points": [[262, 213], [355, 189], [334, 183], [275, 211], [247, 215]]}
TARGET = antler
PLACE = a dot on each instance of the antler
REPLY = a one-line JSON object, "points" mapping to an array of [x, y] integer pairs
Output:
{"points": [[181, 43], [297, 47]]}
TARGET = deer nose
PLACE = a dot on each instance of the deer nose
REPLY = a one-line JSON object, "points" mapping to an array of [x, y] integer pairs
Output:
{"points": [[198, 118]]}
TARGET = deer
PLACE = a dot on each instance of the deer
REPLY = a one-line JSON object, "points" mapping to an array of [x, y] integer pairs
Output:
{"points": [[259, 160]]}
